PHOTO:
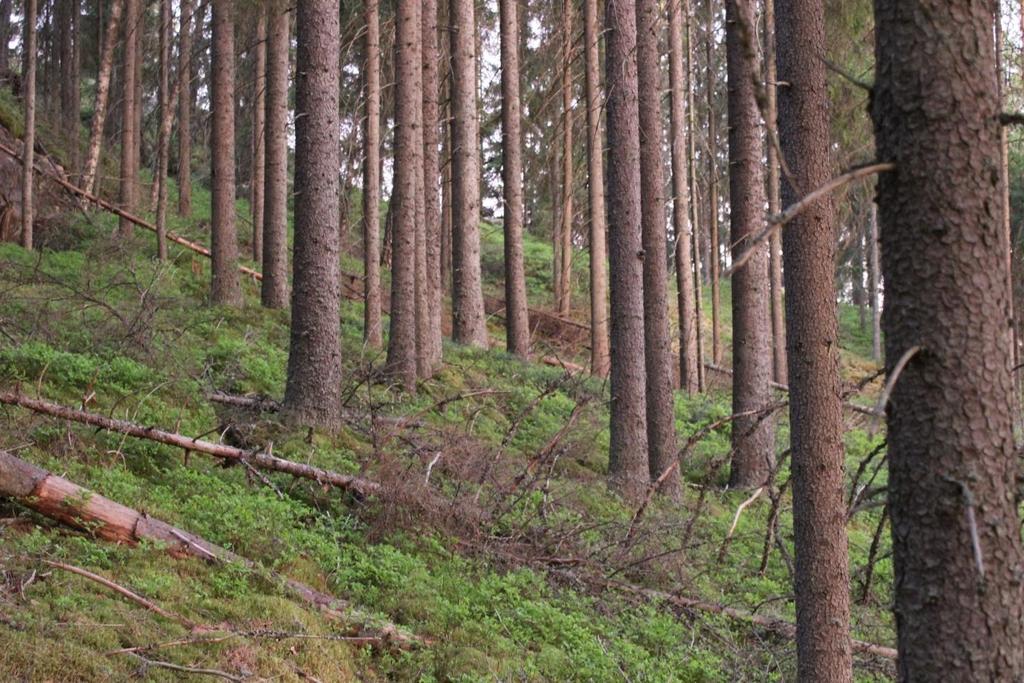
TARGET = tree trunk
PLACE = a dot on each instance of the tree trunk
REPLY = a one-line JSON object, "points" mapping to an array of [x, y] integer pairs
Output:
{"points": [[715, 256], [627, 466], [164, 142], [29, 85], [225, 288], [779, 370], [821, 579], [137, 105], [185, 109], [517, 324], [599, 352], [5, 35], [661, 413], [953, 472], [313, 390], [259, 103], [753, 439], [678, 87], [274, 293], [691, 125], [70, 66], [129, 133], [468, 321], [874, 287], [402, 342], [564, 303], [372, 329], [424, 363], [431, 183]]}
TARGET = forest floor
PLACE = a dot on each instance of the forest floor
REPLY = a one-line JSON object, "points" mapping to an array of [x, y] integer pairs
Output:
{"points": [[494, 541]]}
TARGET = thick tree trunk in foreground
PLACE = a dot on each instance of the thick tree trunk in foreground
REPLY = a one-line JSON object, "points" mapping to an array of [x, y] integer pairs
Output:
{"points": [[274, 293], [678, 87], [259, 102], [753, 439], [959, 598], [129, 131], [468, 321], [99, 116], [313, 390], [517, 323], [164, 136], [433, 343], [402, 342], [185, 109], [627, 466], [28, 175], [225, 288], [599, 352], [822, 580], [661, 414], [779, 369], [372, 327]]}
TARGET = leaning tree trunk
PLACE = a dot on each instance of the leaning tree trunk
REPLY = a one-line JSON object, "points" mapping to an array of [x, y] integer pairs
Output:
{"points": [[274, 292], [661, 413], [129, 132], [599, 352], [517, 325], [185, 109], [953, 470], [28, 161], [775, 243], [402, 342], [225, 288], [627, 464], [259, 157], [433, 343], [821, 577], [468, 319], [678, 87], [753, 434], [372, 328]]}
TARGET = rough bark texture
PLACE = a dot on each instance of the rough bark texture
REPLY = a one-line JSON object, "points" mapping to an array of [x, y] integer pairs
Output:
{"points": [[424, 365], [129, 132], [599, 352], [468, 322], [564, 250], [274, 293], [401, 362], [752, 436], [779, 369], [225, 288], [372, 328], [517, 323], [678, 87], [874, 285], [69, 13], [691, 125], [627, 465], [102, 94], [184, 109], [433, 343], [952, 468], [821, 576], [313, 390], [29, 71], [259, 156], [164, 136], [714, 255], [661, 419]]}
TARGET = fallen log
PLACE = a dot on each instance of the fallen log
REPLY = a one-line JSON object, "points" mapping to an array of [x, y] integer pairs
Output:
{"points": [[79, 508], [554, 361], [258, 459]]}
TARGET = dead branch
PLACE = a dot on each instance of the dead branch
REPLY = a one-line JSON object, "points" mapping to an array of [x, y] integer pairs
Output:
{"points": [[264, 404], [897, 369], [736, 520], [260, 459], [185, 669]]}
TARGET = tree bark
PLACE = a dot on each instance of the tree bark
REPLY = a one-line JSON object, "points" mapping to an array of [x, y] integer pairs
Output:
{"points": [[599, 352], [259, 157], [129, 132], [402, 342], [959, 601], [661, 420], [517, 325], [627, 466], [372, 328], [874, 287], [70, 62], [184, 109], [821, 577], [164, 141], [29, 85], [313, 390], [779, 369], [564, 302], [753, 439], [431, 183], [691, 125], [224, 286], [715, 256], [468, 321], [5, 35], [678, 87], [274, 293]]}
